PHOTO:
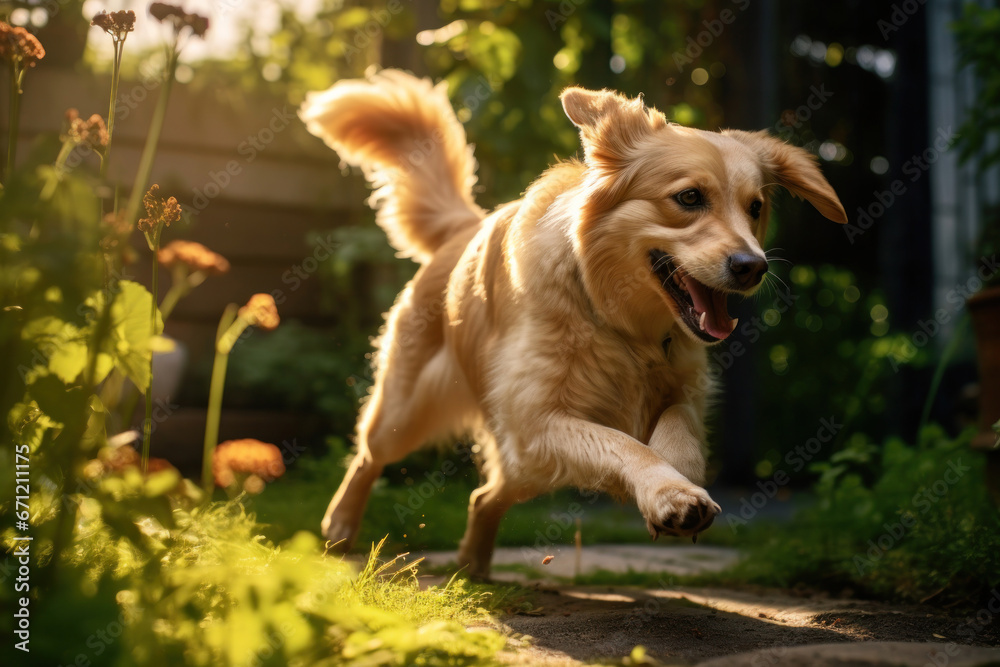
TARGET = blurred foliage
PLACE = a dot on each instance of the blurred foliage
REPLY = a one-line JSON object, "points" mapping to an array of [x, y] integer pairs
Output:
{"points": [[893, 521], [830, 346], [977, 34]]}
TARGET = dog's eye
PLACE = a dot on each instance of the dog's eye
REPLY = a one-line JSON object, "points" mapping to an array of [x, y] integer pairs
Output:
{"points": [[755, 209], [690, 198]]}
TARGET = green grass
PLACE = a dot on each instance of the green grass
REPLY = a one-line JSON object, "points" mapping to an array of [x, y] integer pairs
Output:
{"points": [[214, 592]]}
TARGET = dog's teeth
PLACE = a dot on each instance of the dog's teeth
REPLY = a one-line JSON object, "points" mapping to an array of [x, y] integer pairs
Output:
{"points": [[701, 320], [732, 325]]}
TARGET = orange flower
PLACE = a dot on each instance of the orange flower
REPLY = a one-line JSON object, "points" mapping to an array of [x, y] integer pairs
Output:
{"points": [[116, 459], [92, 131], [158, 210], [193, 255], [19, 46], [247, 456], [261, 312]]}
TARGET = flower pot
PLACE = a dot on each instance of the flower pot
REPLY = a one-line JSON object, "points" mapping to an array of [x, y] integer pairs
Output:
{"points": [[984, 308], [168, 371]]}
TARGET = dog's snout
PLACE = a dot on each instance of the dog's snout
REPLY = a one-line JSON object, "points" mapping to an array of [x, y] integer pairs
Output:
{"points": [[748, 270]]}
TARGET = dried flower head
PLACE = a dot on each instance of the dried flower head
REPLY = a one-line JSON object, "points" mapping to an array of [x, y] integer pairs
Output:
{"points": [[249, 457], [92, 131], [193, 255], [261, 312], [117, 24], [179, 19], [19, 46], [158, 210]]}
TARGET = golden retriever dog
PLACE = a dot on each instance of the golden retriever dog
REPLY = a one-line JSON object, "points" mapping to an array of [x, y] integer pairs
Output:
{"points": [[565, 331]]}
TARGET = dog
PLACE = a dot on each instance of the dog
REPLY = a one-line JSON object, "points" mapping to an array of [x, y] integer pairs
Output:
{"points": [[567, 331]]}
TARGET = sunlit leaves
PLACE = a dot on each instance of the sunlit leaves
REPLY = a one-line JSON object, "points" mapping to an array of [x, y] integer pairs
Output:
{"points": [[494, 51], [130, 337], [62, 348]]}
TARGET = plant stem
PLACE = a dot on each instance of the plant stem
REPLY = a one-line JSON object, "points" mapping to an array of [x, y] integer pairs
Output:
{"points": [[116, 71], [179, 288], [230, 328], [152, 139], [147, 424], [956, 338], [15, 100]]}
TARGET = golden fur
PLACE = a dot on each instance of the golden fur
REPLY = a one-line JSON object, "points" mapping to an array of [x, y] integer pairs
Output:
{"points": [[540, 327]]}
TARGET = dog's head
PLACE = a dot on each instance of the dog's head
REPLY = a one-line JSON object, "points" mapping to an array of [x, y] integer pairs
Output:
{"points": [[673, 217]]}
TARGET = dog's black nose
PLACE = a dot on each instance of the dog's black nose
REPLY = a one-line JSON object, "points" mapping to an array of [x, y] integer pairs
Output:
{"points": [[747, 269]]}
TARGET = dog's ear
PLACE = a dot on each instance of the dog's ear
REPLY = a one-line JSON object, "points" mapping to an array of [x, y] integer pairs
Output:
{"points": [[794, 169], [587, 107], [610, 124]]}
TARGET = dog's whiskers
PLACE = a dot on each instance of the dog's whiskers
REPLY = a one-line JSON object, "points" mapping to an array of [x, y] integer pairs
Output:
{"points": [[783, 283]]}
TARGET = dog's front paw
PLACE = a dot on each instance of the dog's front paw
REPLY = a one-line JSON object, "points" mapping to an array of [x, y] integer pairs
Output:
{"points": [[680, 510]]}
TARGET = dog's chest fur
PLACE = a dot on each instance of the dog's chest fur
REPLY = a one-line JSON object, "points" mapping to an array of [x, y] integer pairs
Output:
{"points": [[624, 384]]}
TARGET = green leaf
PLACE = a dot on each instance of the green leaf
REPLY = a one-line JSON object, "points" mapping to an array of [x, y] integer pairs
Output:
{"points": [[130, 340]]}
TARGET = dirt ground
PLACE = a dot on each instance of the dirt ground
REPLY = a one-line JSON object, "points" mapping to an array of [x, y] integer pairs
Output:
{"points": [[688, 626], [573, 625]]}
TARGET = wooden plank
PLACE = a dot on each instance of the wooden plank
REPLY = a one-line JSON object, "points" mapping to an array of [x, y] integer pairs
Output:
{"points": [[245, 232]]}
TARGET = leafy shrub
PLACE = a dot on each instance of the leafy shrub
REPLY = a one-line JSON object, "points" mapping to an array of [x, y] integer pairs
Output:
{"points": [[900, 522]]}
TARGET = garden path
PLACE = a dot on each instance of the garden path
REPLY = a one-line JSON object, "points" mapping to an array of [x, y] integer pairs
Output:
{"points": [[716, 627]]}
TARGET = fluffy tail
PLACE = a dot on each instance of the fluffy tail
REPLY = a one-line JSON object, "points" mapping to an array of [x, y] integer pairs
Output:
{"points": [[404, 135]]}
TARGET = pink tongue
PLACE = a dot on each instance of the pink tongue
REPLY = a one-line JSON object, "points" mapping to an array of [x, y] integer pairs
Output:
{"points": [[710, 301]]}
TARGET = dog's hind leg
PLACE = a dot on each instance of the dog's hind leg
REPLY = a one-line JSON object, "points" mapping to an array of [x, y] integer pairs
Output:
{"points": [[487, 505], [407, 408]]}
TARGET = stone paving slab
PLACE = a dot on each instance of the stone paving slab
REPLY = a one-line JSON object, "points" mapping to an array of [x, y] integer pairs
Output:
{"points": [[867, 654], [667, 559]]}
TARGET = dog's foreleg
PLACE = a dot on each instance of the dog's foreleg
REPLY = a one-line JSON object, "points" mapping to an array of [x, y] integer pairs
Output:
{"points": [[678, 438], [589, 455]]}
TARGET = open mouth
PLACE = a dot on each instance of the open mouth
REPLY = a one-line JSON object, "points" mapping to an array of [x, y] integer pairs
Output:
{"points": [[702, 308]]}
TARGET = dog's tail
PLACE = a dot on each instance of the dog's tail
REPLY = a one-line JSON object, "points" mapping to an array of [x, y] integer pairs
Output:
{"points": [[404, 135]]}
